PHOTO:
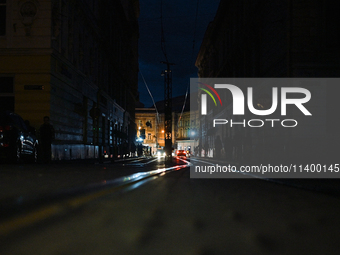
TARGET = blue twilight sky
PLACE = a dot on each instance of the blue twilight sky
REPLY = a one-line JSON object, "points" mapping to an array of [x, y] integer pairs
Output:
{"points": [[179, 33]]}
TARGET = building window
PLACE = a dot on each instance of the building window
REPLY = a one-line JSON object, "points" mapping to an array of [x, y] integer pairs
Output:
{"points": [[149, 136], [110, 132], [149, 124], [6, 93], [2, 17]]}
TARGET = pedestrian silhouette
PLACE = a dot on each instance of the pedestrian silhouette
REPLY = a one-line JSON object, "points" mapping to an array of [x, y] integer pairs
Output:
{"points": [[206, 148], [29, 127], [46, 135], [218, 147]]}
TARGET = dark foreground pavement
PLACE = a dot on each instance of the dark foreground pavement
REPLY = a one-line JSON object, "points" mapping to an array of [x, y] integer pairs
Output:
{"points": [[173, 214]]}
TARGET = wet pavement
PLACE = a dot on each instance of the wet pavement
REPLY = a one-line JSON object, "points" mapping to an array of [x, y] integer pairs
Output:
{"points": [[34, 179], [173, 214]]}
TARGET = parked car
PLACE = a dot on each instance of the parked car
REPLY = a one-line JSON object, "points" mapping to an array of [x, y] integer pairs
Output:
{"points": [[16, 141]]}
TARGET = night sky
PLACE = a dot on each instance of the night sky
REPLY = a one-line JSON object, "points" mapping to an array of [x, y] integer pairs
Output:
{"points": [[179, 35]]}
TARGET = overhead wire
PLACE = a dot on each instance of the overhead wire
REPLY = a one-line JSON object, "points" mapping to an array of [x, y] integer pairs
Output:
{"points": [[153, 101], [165, 55], [192, 55], [163, 46]]}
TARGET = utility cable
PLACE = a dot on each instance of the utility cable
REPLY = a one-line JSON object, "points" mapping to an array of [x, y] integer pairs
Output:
{"points": [[192, 56], [147, 87]]}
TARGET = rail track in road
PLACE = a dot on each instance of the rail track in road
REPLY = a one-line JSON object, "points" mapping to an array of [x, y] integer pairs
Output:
{"points": [[175, 214], [22, 211]]}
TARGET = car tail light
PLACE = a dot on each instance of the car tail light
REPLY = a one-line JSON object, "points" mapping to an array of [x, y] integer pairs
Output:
{"points": [[5, 128]]}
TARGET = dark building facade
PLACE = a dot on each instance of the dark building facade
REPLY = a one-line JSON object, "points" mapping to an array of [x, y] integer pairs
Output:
{"points": [[272, 39], [263, 39], [77, 62]]}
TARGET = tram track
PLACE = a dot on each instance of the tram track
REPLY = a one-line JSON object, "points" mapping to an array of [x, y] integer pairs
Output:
{"points": [[20, 212]]}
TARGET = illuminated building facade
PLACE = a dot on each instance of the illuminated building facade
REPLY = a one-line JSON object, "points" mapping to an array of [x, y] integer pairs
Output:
{"points": [[185, 126]]}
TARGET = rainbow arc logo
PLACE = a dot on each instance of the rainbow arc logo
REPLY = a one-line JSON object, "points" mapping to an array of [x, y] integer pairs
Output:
{"points": [[209, 93]]}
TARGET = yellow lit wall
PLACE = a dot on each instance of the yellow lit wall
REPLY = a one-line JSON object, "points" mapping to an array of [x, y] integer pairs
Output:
{"points": [[32, 105]]}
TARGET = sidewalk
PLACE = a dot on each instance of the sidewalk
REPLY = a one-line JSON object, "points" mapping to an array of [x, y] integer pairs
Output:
{"points": [[93, 160]]}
